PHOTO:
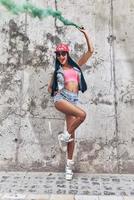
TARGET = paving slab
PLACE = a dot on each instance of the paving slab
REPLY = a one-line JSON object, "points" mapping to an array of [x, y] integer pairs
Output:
{"points": [[85, 197], [7, 196], [62, 197], [128, 198], [37, 197], [110, 198]]}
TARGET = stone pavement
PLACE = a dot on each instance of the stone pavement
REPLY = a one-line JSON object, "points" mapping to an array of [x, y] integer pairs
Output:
{"points": [[53, 186]]}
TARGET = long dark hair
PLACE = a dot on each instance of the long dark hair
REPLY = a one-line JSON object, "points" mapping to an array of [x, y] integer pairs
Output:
{"points": [[72, 63]]}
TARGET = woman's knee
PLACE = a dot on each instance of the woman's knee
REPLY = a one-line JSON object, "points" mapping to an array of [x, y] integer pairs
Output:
{"points": [[82, 116]]}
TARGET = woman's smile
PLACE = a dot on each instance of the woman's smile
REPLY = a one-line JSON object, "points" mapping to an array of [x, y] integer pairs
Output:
{"points": [[63, 60]]}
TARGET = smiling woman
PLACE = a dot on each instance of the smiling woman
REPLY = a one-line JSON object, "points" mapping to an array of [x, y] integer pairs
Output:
{"points": [[64, 87]]}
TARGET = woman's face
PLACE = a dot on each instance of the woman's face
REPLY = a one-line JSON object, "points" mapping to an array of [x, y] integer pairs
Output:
{"points": [[62, 57]]}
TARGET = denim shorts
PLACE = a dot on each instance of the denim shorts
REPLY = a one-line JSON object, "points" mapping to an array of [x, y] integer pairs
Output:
{"points": [[66, 95]]}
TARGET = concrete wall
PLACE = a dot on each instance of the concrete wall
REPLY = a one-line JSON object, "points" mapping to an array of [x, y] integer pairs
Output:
{"points": [[29, 122]]}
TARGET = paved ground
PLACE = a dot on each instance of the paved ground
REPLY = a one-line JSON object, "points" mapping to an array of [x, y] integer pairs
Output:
{"points": [[53, 186]]}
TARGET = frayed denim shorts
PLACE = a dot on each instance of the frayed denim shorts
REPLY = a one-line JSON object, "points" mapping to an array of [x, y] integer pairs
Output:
{"points": [[66, 95]]}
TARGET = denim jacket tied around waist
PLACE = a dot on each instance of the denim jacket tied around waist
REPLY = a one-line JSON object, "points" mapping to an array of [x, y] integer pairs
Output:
{"points": [[59, 82]]}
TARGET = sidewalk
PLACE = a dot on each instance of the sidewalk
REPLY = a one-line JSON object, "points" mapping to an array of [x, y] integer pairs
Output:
{"points": [[53, 186]]}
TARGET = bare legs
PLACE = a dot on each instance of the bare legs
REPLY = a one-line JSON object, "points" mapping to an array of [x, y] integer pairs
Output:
{"points": [[74, 117]]}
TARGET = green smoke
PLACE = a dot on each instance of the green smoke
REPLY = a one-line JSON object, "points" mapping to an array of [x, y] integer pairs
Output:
{"points": [[36, 12]]}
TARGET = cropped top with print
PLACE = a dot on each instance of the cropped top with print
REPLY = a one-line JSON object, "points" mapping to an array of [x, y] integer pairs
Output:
{"points": [[71, 75]]}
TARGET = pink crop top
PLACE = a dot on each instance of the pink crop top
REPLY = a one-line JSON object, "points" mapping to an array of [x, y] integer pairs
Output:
{"points": [[71, 75]]}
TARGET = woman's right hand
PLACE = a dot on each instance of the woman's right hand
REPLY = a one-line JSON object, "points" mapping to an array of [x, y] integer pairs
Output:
{"points": [[82, 29], [49, 89]]}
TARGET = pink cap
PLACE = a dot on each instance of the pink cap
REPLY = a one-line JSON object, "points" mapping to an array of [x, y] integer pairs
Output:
{"points": [[62, 47]]}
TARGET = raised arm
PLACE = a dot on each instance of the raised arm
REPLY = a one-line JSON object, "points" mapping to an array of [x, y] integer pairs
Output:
{"points": [[90, 50]]}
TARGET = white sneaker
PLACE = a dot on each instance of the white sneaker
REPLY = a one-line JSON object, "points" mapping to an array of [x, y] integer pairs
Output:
{"points": [[70, 163], [63, 139], [66, 137], [62, 143], [69, 173]]}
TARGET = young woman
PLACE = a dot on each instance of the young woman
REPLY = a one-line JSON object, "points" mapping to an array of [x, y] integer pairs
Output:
{"points": [[64, 86]]}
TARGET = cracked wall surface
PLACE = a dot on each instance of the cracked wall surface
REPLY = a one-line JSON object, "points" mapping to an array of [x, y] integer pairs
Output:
{"points": [[29, 122]]}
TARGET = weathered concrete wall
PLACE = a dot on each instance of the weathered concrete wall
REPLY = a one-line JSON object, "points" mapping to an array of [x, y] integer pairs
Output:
{"points": [[29, 123]]}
